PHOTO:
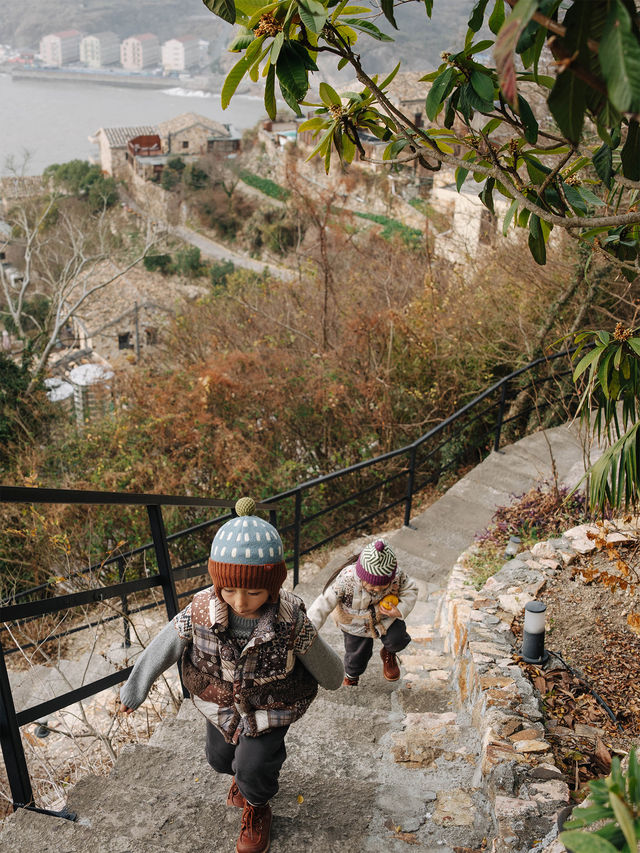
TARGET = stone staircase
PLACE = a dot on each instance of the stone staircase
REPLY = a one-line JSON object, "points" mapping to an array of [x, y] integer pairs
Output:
{"points": [[372, 768]]}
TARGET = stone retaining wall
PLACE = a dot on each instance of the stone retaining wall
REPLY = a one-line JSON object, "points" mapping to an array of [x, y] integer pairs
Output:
{"points": [[524, 786]]}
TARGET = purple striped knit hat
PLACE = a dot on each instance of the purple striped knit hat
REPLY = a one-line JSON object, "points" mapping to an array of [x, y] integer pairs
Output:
{"points": [[377, 564]]}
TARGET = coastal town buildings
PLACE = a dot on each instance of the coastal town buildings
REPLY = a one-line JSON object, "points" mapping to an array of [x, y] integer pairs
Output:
{"points": [[100, 49], [58, 49], [180, 54], [140, 52]]}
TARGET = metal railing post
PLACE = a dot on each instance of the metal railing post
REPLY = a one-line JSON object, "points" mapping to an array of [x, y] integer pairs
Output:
{"points": [[122, 569], [159, 536], [297, 522], [411, 478], [503, 398], [11, 742]]}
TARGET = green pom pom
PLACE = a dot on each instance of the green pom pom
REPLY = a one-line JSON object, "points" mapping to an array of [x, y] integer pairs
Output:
{"points": [[245, 506]]}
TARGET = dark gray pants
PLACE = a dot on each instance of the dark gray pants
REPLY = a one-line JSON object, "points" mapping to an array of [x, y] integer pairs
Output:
{"points": [[358, 650], [254, 761]]}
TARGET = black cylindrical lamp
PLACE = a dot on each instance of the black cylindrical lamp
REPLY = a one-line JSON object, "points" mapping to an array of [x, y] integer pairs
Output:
{"points": [[533, 633]]}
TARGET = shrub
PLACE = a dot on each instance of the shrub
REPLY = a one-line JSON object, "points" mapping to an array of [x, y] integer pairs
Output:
{"points": [[219, 272], [83, 180], [188, 262], [161, 263]]}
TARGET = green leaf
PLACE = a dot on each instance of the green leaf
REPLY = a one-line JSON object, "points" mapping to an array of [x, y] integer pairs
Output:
{"points": [[390, 77], [478, 47], [269, 92], [225, 9], [567, 102], [496, 19], [483, 84], [312, 14], [477, 15], [619, 56], [232, 81], [314, 123], [575, 199], [585, 842], [505, 46], [242, 40], [292, 73], [630, 154], [486, 196], [387, 10], [511, 212], [603, 164], [461, 175], [439, 91], [368, 28], [536, 241], [528, 120], [289, 97], [623, 816], [329, 95], [583, 364], [348, 148], [276, 47]]}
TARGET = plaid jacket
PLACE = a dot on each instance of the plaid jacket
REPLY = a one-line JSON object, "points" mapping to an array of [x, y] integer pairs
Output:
{"points": [[248, 690]]}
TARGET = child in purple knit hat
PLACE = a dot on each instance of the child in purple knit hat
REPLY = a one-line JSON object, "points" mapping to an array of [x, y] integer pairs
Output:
{"points": [[369, 597]]}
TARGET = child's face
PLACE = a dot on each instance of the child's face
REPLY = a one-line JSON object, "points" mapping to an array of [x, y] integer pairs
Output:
{"points": [[371, 587], [245, 602]]}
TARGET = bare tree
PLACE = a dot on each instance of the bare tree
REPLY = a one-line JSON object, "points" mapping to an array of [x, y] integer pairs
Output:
{"points": [[68, 254]]}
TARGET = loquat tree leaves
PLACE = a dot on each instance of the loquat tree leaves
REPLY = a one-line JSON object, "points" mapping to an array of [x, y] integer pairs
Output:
{"points": [[563, 148]]}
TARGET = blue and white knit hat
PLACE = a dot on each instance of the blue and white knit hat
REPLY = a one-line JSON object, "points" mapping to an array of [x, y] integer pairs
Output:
{"points": [[247, 552], [377, 564]]}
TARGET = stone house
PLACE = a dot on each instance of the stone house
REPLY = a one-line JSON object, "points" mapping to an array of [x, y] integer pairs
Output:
{"points": [[112, 145], [145, 150]]}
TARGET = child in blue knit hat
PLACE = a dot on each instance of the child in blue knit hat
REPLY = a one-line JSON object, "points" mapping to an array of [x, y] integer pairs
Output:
{"points": [[369, 597], [251, 660]]}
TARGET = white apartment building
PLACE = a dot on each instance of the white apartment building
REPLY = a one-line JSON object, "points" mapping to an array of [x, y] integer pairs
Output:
{"points": [[138, 52], [57, 49], [182, 53], [100, 49]]}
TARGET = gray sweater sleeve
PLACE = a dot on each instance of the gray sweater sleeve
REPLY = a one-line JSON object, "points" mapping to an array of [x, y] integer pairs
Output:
{"points": [[323, 664], [165, 649]]}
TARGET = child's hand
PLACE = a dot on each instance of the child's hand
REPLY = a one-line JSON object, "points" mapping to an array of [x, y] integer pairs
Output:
{"points": [[392, 611], [124, 709]]}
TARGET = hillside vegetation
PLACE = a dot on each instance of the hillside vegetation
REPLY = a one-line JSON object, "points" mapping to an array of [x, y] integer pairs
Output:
{"points": [[262, 384]]}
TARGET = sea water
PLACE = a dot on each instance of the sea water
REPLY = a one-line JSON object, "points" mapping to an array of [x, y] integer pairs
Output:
{"points": [[44, 122]]}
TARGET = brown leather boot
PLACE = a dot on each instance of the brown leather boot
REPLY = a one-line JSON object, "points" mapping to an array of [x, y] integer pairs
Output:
{"points": [[350, 681], [255, 829], [234, 797], [390, 668]]}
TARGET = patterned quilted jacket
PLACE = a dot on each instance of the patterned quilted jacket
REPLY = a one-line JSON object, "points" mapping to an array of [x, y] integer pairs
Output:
{"points": [[254, 689]]}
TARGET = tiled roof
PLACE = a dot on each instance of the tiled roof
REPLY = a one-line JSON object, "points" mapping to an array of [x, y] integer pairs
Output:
{"points": [[186, 120], [118, 137]]}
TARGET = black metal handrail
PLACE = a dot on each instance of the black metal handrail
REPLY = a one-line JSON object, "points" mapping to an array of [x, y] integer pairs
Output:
{"points": [[407, 474]]}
